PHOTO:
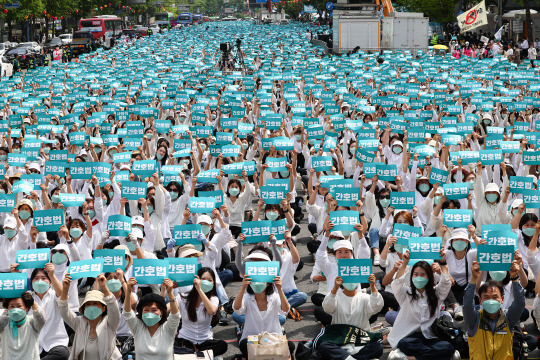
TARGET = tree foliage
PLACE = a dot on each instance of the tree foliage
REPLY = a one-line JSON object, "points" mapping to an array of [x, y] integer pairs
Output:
{"points": [[437, 10]]}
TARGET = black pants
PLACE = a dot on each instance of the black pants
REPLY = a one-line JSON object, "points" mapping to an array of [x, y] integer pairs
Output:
{"points": [[328, 350], [459, 291], [56, 353], [243, 347], [218, 347], [322, 316], [390, 301]]}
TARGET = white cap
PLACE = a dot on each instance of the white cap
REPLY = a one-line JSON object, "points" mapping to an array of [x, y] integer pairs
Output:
{"points": [[261, 255], [338, 234], [487, 116], [137, 220], [280, 242], [10, 222], [396, 143], [137, 233], [204, 219], [516, 203], [342, 244], [459, 233], [125, 166], [34, 166], [492, 187], [439, 191], [535, 179]]}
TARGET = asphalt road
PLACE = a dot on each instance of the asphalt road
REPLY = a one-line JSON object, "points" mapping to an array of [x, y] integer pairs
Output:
{"points": [[308, 327]]}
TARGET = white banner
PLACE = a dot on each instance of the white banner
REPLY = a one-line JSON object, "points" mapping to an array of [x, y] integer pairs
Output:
{"points": [[473, 18]]}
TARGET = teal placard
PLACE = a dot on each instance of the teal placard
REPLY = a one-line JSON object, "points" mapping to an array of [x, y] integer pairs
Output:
{"points": [[58, 155], [145, 168], [16, 159], [495, 257], [491, 157], [85, 268], [22, 186], [404, 232], [134, 190], [457, 218], [271, 194], [209, 176], [49, 220], [276, 164], [262, 271], [386, 172], [438, 176], [402, 199], [119, 225], [34, 179], [355, 271], [502, 237], [201, 205], [256, 231], [346, 196], [56, 168], [69, 200], [32, 259], [344, 220], [122, 157], [183, 270], [456, 191], [150, 271], [112, 259], [321, 163], [424, 248], [12, 285], [487, 228], [77, 138], [364, 156], [81, 170], [531, 198], [7, 202], [519, 184], [186, 234], [216, 194], [531, 157]]}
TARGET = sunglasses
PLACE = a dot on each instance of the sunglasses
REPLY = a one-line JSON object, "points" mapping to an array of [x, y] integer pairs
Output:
{"points": [[385, 197], [53, 251]]}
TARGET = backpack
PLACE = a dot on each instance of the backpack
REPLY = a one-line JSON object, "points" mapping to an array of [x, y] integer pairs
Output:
{"points": [[445, 328], [519, 351]]}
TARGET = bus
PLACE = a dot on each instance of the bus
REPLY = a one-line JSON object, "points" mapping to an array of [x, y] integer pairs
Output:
{"points": [[163, 20], [197, 19], [185, 18], [103, 27]]}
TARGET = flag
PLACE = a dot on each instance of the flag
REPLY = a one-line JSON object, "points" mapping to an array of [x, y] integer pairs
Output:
{"points": [[473, 18], [498, 34]]}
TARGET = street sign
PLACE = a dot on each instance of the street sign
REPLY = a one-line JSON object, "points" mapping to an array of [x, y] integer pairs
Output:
{"points": [[12, 5], [329, 6]]}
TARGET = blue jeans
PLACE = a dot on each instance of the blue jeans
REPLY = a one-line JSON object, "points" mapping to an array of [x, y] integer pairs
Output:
{"points": [[222, 295], [226, 276], [241, 319], [425, 349], [328, 350], [297, 299], [374, 238]]}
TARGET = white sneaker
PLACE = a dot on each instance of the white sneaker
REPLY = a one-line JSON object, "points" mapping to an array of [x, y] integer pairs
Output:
{"points": [[376, 260], [458, 313], [457, 355], [397, 355]]}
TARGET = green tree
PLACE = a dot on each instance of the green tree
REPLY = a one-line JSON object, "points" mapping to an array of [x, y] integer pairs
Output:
{"points": [[438, 10]]}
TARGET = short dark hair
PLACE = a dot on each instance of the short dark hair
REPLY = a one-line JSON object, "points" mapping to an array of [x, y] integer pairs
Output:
{"points": [[489, 284], [27, 300]]}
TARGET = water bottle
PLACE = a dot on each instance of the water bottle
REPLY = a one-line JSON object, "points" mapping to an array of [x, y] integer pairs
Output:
{"points": [[309, 344], [130, 357], [378, 285]]}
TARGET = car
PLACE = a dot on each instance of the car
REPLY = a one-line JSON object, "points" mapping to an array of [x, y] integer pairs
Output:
{"points": [[154, 28], [31, 45], [51, 44], [66, 38], [3, 49], [6, 67], [24, 54]]}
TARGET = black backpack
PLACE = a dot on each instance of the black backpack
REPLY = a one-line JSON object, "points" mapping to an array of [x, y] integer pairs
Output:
{"points": [[445, 328]]}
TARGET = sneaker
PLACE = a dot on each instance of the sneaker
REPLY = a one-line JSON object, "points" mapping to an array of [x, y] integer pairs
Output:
{"points": [[397, 355], [294, 314], [223, 320], [238, 331], [458, 313], [456, 356], [376, 260]]}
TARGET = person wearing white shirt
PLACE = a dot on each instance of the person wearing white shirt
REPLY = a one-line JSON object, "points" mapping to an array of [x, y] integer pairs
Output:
{"points": [[15, 238], [236, 198], [53, 340], [420, 301], [350, 307], [153, 328], [261, 303], [197, 309]]}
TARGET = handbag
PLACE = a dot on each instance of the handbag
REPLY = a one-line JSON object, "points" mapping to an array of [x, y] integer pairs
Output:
{"points": [[268, 347]]}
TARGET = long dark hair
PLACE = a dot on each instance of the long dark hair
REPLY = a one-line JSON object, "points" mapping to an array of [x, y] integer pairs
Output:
{"points": [[378, 194], [524, 219], [432, 299], [193, 295]]}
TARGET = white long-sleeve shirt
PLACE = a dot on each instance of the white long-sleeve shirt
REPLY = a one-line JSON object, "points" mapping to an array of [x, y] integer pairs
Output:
{"points": [[353, 310], [414, 315]]}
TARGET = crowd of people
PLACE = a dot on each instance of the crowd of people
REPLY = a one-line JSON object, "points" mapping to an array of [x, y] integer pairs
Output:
{"points": [[366, 152]]}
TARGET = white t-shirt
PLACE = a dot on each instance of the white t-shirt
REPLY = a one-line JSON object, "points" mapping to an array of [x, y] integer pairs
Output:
{"points": [[200, 331]]}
